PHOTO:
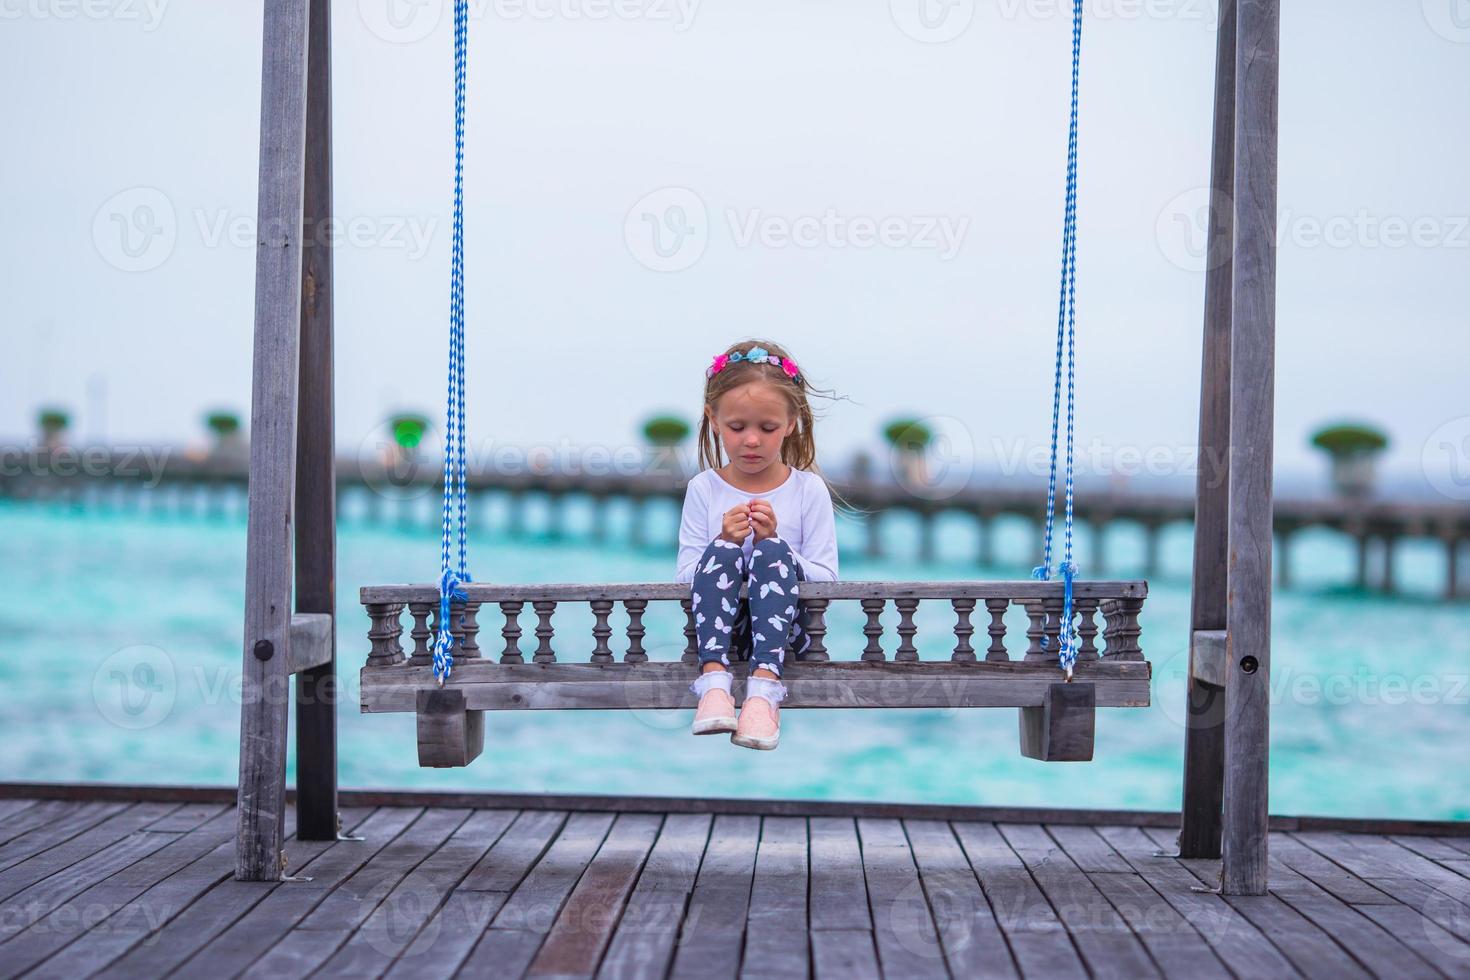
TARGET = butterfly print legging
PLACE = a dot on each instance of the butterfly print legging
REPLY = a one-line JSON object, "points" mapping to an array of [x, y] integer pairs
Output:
{"points": [[758, 628]]}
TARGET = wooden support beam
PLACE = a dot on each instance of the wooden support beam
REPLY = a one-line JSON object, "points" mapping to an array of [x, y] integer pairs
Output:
{"points": [[1204, 732], [1063, 727], [316, 471], [267, 655], [1209, 658], [449, 734], [1252, 417], [311, 644]]}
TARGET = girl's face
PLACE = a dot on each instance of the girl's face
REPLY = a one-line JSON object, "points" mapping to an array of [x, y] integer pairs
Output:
{"points": [[753, 421]]}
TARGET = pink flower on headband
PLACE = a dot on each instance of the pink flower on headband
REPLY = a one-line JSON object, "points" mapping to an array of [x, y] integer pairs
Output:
{"points": [[789, 366], [719, 363]]}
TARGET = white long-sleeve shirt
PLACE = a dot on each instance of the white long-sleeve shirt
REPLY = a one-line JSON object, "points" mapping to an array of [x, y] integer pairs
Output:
{"points": [[804, 520]]}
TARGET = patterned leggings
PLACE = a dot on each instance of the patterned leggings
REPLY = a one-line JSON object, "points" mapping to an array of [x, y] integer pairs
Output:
{"points": [[758, 628]]}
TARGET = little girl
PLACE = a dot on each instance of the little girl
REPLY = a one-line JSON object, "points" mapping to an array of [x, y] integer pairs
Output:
{"points": [[764, 518]]}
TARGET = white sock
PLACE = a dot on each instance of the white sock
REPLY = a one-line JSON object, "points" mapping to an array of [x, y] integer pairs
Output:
{"points": [[764, 687], [710, 679]]}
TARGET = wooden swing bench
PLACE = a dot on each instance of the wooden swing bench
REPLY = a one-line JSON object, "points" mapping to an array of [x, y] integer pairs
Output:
{"points": [[1056, 718]]}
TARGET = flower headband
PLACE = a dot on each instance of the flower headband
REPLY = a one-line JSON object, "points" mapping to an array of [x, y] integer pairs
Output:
{"points": [[756, 355]]}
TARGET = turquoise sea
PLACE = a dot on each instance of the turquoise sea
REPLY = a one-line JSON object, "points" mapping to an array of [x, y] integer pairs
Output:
{"points": [[121, 636]]}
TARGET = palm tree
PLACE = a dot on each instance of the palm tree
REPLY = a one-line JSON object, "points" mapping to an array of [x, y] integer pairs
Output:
{"points": [[408, 431], [226, 428], [52, 423], [1354, 449], [665, 433], [908, 439]]}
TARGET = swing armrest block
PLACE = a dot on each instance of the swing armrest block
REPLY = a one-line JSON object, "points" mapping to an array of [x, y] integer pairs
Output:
{"points": [[1209, 657], [1062, 728]]}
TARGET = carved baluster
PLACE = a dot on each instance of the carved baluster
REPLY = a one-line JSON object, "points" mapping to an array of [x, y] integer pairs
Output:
{"points": [[1121, 631], [635, 654], [1087, 630], [906, 630], [384, 633], [963, 630], [512, 632], [1035, 652], [470, 625], [874, 629], [601, 652], [814, 624], [544, 631], [422, 636], [1053, 610], [691, 637], [997, 629]]}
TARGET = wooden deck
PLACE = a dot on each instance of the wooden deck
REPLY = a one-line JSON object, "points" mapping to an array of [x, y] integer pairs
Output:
{"points": [[114, 887]]}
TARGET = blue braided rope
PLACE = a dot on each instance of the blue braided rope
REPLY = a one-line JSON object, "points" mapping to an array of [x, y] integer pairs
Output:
{"points": [[1066, 344], [450, 582]]}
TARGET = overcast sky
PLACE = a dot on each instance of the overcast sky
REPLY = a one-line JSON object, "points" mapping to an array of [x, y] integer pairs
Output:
{"points": [[876, 184]]}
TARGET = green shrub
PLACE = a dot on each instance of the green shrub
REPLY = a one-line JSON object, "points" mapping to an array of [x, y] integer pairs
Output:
{"points": [[408, 430], [909, 435]]}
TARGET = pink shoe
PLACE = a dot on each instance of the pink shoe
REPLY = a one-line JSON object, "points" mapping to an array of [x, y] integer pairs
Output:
{"points": [[758, 728], [716, 713]]}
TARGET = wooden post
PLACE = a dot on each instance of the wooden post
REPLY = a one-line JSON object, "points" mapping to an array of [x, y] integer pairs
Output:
{"points": [[264, 705], [316, 479], [1252, 415], [1204, 733]]}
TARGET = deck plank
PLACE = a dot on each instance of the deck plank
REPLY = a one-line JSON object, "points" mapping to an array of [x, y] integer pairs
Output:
{"points": [[776, 927], [344, 910], [844, 954], [582, 930], [410, 906], [643, 943], [1242, 947], [1038, 940], [520, 925], [235, 949], [1102, 936], [137, 889], [1176, 948], [712, 936], [973, 943], [837, 876], [63, 854], [1312, 950], [95, 906], [60, 824], [903, 924]]}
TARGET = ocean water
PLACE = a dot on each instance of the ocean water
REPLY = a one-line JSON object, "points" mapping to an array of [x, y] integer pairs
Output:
{"points": [[120, 646]]}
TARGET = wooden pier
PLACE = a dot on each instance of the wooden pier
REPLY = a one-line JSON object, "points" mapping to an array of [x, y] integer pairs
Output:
{"points": [[396, 496], [134, 881]]}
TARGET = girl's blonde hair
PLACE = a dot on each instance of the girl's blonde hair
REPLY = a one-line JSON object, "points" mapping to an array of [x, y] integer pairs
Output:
{"points": [[798, 449]]}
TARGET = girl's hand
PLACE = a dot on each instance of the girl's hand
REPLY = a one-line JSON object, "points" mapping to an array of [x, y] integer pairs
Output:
{"points": [[736, 526], [763, 517]]}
